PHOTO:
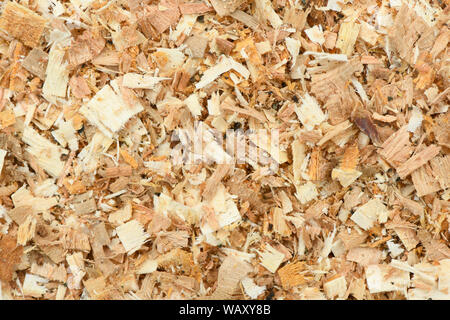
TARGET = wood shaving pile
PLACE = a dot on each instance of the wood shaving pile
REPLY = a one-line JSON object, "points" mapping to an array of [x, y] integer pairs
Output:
{"points": [[99, 98]]}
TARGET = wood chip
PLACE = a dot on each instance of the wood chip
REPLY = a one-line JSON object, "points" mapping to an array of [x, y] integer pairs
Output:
{"points": [[418, 160], [22, 24], [122, 104], [132, 236]]}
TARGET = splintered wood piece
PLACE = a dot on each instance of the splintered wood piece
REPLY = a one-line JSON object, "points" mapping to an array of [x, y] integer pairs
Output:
{"points": [[345, 176], [57, 74], [246, 19], [138, 81], [224, 65], [251, 289], [368, 33], [402, 37], [2, 158], [126, 38], [111, 108], [161, 20], [224, 45], [408, 237], [7, 118], [307, 192], [75, 240], [266, 11], [252, 57], [280, 223], [22, 23], [129, 159], [348, 32], [325, 84], [132, 236], [231, 272], [34, 286], [86, 46], [441, 169], [366, 215], [309, 113], [291, 275], [225, 7], [122, 215], [397, 148], [271, 258], [84, 206], [122, 171], [194, 8], [346, 173], [79, 87], [334, 131], [36, 62], [48, 155], [96, 287], [50, 271], [214, 180], [385, 278], [335, 288], [26, 230], [424, 181], [364, 256], [418, 160], [197, 45]]}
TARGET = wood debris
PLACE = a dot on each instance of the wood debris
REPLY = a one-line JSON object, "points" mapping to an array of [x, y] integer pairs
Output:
{"points": [[132, 235], [224, 149], [123, 106], [22, 23], [335, 288]]}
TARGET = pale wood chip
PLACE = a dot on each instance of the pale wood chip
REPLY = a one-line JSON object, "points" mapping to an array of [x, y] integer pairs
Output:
{"points": [[75, 240], [424, 181], [132, 236], [334, 131], [246, 19], [79, 87], [441, 169], [231, 272], [402, 37], [57, 74], [335, 288], [33, 286], [122, 105], [418, 160], [271, 258], [161, 20], [50, 271], [397, 148], [384, 278], [364, 256], [194, 8], [224, 7], [348, 32], [36, 62], [26, 230], [85, 47], [197, 45]]}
